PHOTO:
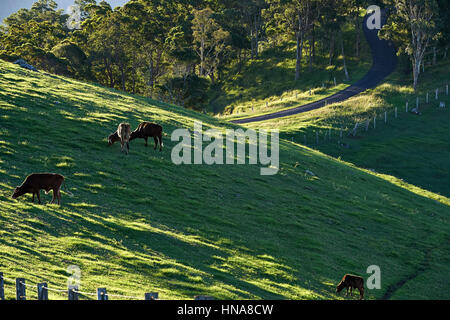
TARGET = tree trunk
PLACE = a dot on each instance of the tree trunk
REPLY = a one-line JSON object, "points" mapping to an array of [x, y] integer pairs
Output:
{"points": [[343, 57], [416, 72], [122, 72], [358, 38], [331, 49], [434, 55], [299, 55], [257, 18]]}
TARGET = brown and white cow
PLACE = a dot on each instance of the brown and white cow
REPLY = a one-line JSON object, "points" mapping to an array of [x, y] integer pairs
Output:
{"points": [[38, 181], [122, 134]]}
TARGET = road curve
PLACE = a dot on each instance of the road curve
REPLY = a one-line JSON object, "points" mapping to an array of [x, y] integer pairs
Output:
{"points": [[384, 63]]}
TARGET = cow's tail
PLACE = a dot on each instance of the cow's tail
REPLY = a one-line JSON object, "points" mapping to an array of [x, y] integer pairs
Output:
{"points": [[67, 191]]}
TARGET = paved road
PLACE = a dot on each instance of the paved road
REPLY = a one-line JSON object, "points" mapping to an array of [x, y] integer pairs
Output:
{"points": [[384, 63]]}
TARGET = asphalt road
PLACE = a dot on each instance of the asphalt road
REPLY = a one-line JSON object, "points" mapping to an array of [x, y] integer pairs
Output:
{"points": [[384, 63]]}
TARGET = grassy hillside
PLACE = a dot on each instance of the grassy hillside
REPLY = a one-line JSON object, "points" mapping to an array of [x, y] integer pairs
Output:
{"points": [[139, 223], [413, 148]]}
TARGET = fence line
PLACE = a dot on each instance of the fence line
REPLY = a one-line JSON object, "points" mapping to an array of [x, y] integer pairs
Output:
{"points": [[72, 291], [351, 129]]}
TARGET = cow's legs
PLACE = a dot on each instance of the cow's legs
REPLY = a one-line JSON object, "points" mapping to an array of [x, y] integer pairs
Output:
{"points": [[160, 142], [32, 200], [146, 144], [58, 195], [39, 196], [156, 142], [361, 293], [346, 293], [128, 147], [351, 291]]}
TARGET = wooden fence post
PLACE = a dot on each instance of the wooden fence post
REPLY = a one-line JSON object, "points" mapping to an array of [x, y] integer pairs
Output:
{"points": [[417, 103], [101, 294], [42, 291], [446, 89], [396, 112], [406, 106], [72, 292], [385, 117], [151, 296], [20, 289], [427, 97], [436, 94], [375, 122], [2, 287]]}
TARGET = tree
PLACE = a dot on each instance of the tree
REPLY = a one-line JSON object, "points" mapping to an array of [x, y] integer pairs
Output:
{"points": [[295, 17], [210, 41], [412, 27]]}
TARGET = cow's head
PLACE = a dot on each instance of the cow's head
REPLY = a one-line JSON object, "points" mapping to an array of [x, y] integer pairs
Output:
{"points": [[340, 286], [17, 192], [112, 138]]}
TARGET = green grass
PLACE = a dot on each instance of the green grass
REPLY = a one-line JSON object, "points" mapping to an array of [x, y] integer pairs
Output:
{"points": [[411, 147], [139, 223]]}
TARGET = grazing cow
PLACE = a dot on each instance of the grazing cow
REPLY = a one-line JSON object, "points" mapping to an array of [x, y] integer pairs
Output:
{"points": [[351, 281], [122, 134], [148, 129], [37, 181]]}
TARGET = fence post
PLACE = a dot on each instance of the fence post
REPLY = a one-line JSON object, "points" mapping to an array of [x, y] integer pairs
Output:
{"points": [[42, 291], [20, 289], [436, 94], [101, 294], [151, 296], [406, 106], [396, 110], [446, 89], [2, 288], [375, 122], [72, 292], [335, 81], [309, 91], [417, 103], [385, 117]]}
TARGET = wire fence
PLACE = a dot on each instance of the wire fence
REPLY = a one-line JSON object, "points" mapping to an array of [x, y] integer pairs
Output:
{"points": [[337, 129], [23, 286]]}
